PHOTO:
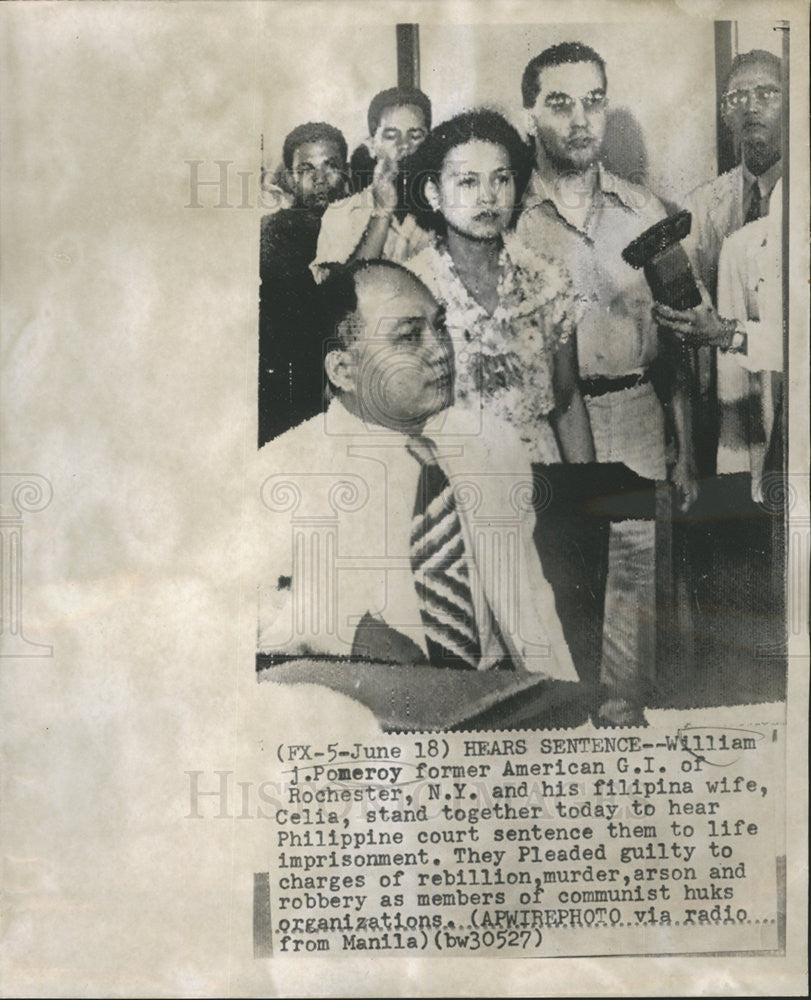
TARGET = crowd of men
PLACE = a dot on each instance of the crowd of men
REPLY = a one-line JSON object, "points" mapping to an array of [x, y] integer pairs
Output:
{"points": [[717, 436]]}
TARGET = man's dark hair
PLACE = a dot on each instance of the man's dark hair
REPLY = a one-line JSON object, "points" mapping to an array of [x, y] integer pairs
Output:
{"points": [[396, 97], [337, 299], [312, 132], [557, 55], [426, 162], [757, 57]]}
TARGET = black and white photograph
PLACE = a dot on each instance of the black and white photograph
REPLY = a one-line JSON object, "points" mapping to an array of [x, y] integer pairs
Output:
{"points": [[513, 413], [404, 498]]}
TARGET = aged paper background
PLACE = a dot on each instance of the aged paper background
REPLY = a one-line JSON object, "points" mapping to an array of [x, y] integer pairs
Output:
{"points": [[128, 353]]}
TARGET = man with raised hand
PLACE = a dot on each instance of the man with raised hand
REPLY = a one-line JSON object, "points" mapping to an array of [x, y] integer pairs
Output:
{"points": [[371, 223]]}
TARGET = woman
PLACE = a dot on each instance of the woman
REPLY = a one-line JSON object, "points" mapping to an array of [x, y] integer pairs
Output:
{"points": [[510, 315]]}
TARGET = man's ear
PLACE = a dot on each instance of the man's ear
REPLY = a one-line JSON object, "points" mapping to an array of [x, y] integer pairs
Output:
{"points": [[289, 183], [340, 366], [432, 194]]}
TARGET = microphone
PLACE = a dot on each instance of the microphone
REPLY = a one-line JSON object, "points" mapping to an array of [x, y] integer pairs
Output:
{"points": [[658, 251]]}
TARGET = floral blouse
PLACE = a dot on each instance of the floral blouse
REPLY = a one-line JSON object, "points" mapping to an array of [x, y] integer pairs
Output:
{"points": [[504, 360]]}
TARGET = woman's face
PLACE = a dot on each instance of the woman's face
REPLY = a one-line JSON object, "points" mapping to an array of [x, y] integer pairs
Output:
{"points": [[476, 190]]}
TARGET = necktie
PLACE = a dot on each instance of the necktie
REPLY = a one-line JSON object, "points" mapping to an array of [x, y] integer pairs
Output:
{"points": [[440, 571], [755, 209]]}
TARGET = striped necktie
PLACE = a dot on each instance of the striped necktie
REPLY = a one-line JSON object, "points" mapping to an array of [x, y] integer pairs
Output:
{"points": [[439, 566]]}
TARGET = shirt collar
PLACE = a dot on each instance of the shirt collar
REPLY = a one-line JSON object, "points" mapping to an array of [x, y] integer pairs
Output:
{"points": [[445, 429], [341, 421], [610, 183], [765, 181]]}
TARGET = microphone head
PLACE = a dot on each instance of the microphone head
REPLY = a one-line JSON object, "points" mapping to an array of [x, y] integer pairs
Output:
{"points": [[658, 251]]}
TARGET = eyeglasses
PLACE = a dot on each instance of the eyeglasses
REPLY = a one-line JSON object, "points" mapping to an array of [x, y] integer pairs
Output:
{"points": [[765, 95], [563, 104]]}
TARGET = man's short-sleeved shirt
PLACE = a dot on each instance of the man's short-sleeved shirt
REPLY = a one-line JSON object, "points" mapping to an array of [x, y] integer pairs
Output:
{"points": [[344, 224], [616, 334]]}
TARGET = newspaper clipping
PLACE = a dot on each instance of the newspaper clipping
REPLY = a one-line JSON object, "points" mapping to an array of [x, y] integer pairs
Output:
{"points": [[415, 398]]}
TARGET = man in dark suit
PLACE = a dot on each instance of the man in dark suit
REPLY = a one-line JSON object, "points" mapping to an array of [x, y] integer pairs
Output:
{"points": [[290, 360], [736, 542], [752, 111]]}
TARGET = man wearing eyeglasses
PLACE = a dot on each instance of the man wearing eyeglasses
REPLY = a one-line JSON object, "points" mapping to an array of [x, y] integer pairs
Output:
{"points": [[735, 235], [752, 111], [580, 213]]}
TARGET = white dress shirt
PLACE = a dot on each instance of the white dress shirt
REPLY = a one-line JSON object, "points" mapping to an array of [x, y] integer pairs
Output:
{"points": [[750, 290], [342, 228], [334, 538]]}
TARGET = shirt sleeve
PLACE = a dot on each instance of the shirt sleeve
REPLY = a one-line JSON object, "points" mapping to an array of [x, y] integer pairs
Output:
{"points": [[342, 228], [564, 307], [407, 239], [740, 266]]}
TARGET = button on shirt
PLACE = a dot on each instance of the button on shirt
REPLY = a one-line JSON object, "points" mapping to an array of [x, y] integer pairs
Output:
{"points": [[616, 334]]}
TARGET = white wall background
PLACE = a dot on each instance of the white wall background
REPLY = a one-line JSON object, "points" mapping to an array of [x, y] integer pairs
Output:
{"points": [[128, 324], [748, 35], [329, 73], [661, 78]]}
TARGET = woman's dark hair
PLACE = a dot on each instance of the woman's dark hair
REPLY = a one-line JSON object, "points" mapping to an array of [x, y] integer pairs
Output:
{"points": [[425, 164]]}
